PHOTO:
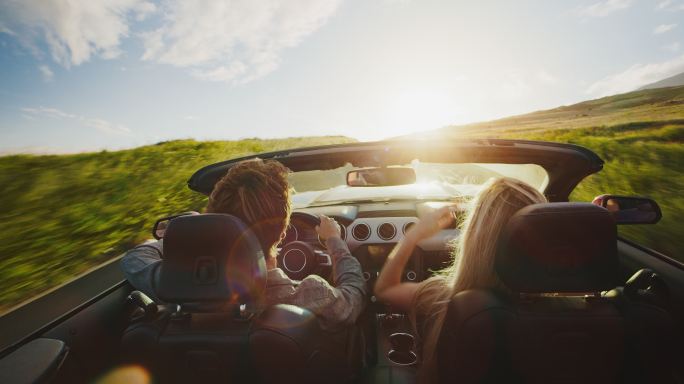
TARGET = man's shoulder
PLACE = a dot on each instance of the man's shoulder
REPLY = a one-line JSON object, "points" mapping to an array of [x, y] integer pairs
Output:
{"points": [[315, 287], [142, 255], [314, 280]]}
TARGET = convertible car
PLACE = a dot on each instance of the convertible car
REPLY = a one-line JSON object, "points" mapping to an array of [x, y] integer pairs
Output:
{"points": [[584, 306]]}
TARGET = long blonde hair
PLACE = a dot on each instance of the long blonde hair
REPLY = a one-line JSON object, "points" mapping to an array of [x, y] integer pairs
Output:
{"points": [[473, 263]]}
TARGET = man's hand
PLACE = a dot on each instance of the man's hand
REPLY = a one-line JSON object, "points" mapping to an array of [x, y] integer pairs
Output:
{"points": [[328, 228]]}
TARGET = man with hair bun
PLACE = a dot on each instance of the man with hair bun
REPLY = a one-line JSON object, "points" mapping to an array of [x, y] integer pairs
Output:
{"points": [[258, 192]]}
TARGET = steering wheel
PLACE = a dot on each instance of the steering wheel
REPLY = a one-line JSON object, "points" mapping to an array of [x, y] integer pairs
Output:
{"points": [[299, 259], [308, 218]]}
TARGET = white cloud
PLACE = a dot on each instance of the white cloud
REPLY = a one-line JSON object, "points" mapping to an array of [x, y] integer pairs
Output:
{"points": [[604, 8], [664, 4], [672, 47], [95, 123], [662, 28], [670, 5], [546, 78], [233, 41], [636, 76], [46, 72], [4, 29], [513, 84], [73, 30]]}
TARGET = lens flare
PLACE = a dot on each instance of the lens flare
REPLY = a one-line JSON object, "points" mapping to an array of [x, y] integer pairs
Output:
{"points": [[131, 374]]}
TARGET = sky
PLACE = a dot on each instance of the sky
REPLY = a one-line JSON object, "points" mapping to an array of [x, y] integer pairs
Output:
{"points": [[109, 74]]}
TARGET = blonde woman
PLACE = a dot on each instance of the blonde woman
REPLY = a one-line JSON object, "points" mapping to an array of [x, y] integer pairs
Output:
{"points": [[472, 266]]}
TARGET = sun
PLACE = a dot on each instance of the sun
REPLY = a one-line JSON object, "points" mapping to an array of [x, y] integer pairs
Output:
{"points": [[415, 110]]}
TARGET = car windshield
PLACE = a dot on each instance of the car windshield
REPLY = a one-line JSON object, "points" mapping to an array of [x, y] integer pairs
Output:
{"points": [[433, 181]]}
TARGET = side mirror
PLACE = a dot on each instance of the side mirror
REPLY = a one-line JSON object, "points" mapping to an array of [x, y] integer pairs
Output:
{"points": [[630, 209], [160, 225], [380, 177]]}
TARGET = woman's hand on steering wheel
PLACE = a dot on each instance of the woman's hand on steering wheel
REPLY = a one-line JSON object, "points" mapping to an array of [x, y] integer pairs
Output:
{"points": [[328, 228]]}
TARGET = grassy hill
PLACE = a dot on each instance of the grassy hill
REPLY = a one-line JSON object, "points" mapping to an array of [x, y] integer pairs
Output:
{"points": [[672, 81], [62, 215], [639, 134], [647, 106]]}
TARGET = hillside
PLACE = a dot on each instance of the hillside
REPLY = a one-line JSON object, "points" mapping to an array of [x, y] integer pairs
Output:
{"points": [[673, 81], [61, 215], [640, 135], [646, 106]]}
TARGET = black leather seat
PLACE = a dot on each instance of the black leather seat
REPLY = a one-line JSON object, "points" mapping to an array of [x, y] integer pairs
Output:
{"points": [[554, 325], [213, 270], [214, 327], [286, 345]]}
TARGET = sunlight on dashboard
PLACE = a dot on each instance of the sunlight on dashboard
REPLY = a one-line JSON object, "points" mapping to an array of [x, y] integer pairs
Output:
{"points": [[422, 186]]}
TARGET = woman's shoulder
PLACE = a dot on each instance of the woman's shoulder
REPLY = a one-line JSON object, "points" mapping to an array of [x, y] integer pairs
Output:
{"points": [[435, 282], [431, 292]]}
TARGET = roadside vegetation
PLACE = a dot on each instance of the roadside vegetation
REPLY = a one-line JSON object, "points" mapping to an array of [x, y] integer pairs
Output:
{"points": [[642, 159], [62, 215], [639, 135]]}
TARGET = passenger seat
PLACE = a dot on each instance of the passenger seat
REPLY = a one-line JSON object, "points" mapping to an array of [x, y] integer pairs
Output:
{"points": [[561, 321]]}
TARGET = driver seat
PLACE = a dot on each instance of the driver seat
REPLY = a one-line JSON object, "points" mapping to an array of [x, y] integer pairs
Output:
{"points": [[212, 277], [214, 328]]}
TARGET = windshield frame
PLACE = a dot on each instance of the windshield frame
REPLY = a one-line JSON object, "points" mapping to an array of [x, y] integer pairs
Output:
{"points": [[565, 164]]}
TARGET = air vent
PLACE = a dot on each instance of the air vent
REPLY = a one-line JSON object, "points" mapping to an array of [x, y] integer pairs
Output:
{"points": [[343, 232], [387, 231], [361, 232], [408, 226]]}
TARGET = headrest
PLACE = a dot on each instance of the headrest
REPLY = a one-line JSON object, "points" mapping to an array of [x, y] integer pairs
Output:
{"points": [[210, 258], [559, 247]]}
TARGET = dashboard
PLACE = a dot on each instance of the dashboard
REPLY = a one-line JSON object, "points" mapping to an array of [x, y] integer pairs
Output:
{"points": [[372, 230]]}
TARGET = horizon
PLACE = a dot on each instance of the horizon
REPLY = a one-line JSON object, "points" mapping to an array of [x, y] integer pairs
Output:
{"points": [[127, 73]]}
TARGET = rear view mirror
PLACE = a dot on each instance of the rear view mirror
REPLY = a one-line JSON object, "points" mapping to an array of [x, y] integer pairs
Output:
{"points": [[160, 225], [380, 177], [632, 210]]}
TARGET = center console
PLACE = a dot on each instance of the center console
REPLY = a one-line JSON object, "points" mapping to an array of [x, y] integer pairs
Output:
{"points": [[397, 355]]}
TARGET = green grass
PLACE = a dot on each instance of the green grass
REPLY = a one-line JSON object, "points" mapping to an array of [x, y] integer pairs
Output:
{"points": [[62, 215], [639, 135], [641, 159]]}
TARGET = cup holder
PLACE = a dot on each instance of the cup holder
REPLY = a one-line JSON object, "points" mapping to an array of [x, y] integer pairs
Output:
{"points": [[401, 341], [402, 358], [401, 352]]}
